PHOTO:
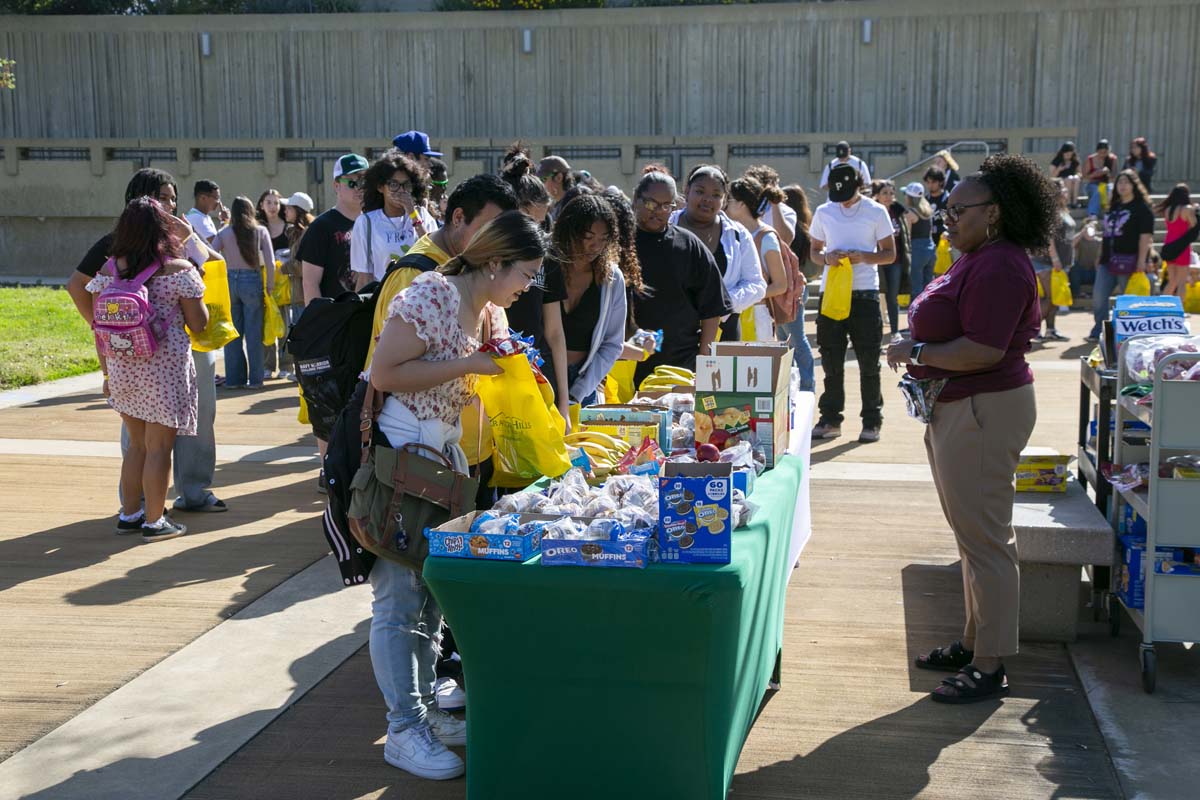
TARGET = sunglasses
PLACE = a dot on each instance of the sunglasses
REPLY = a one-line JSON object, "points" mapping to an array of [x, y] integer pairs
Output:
{"points": [[353, 183], [952, 213]]}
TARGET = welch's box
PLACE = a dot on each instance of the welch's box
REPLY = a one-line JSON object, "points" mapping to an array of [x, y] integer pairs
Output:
{"points": [[1134, 315], [695, 513]]}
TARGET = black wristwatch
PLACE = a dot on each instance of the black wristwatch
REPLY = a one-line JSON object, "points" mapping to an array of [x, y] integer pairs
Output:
{"points": [[914, 356]]}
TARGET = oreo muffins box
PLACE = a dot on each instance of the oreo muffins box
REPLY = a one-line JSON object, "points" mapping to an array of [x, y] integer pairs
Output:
{"points": [[695, 513]]}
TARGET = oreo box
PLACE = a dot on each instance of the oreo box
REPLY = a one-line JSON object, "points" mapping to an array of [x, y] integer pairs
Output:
{"points": [[454, 539], [633, 550], [1134, 315], [695, 513]]}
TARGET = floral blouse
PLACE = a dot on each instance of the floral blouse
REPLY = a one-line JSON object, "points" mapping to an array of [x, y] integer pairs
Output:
{"points": [[430, 304]]}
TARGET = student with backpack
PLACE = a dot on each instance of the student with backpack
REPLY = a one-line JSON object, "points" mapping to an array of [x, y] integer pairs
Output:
{"points": [[745, 201], [144, 295]]}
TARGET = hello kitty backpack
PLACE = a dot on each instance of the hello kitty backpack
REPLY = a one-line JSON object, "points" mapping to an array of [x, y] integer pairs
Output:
{"points": [[123, 320]]}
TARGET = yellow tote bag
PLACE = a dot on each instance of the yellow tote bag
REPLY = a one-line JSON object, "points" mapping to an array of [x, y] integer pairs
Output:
{"points": [[1103, 190], [527, 430], [1060, 289], [1191, 299], [220, 330], [1138, 284], [620, 381], [273, 327], [943, 260], [283, 287], [835, 294]]}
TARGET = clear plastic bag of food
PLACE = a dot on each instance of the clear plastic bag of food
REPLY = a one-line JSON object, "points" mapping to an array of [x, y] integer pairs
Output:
{"points": [[563, 528], [506, 524], [520, 503], [642, 496], [602, 506], [604, 530], [1143, 354], [636, 518], [740, 455]]}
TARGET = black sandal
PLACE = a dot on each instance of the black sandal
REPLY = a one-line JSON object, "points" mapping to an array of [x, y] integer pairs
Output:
{"points": [[946, 659], [971, 685]]}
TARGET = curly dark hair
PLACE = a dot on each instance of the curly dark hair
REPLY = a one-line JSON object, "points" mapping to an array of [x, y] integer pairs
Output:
{"points": [[576, 219], [1027, 200], [627, 257], [383, 169]]}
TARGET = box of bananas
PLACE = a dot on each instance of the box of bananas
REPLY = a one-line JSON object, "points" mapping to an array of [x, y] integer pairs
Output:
{"points": [[666, 379]]}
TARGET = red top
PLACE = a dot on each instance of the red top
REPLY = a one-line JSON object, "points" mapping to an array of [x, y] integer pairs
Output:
{"points": [[1176, 228], [990, 296]]}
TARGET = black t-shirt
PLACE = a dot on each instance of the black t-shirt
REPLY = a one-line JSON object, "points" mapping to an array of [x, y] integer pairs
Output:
{"points": [[683, 288], [526, 314], [939, 204], [1072, 166], [93, 262], [1123, 226], [326, 244]]}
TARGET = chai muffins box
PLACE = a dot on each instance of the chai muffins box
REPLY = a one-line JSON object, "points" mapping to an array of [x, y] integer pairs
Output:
{"points": [[695, 513], [454, 539]]}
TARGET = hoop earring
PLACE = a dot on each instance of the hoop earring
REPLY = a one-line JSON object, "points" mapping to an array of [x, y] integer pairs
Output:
{"points": [[991, 237]]}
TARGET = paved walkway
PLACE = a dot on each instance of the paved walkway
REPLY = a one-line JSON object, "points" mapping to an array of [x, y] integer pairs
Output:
{"points": [[133, 646]]}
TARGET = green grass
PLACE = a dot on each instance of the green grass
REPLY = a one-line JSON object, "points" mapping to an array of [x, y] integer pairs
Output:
{"points": [[42, 337]]}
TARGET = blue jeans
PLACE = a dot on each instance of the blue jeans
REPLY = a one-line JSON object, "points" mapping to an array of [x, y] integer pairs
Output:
{"points": [[246, 301], [1104, 287], [1093, 196], [406, 639], [802, 355], [573, 371], [924, 255], [889, 275]]}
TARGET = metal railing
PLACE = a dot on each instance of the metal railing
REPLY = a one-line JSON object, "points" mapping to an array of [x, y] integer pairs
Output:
{"points": [[987, 151]]}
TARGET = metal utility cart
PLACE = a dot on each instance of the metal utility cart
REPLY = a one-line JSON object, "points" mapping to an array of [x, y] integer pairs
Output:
{"points": [[1100, 386], [1171, 507]]}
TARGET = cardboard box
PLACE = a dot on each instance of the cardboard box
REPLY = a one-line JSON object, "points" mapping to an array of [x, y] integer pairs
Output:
{"points": [[695, 513], [633, 550], [602, 417], [1133, 316], [453, 539], [1133, 524], [1042, 472], [1132, 586], [742, 394]]}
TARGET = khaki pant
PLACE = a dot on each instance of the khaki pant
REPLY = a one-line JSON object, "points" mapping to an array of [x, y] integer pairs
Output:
{"points": [[973, 446]]}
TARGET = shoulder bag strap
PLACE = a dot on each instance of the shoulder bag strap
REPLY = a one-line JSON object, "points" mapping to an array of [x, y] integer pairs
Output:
{"points": [[372, 405], [370, 245]]}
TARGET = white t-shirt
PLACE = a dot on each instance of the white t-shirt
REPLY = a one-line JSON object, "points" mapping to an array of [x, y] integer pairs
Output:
{"points": [[853, 161], [202, 224], [392, 236], [789, 215], [859, 228]]}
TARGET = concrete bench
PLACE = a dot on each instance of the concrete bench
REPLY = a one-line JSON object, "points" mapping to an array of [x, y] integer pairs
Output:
{"points": [[1057, 534]]}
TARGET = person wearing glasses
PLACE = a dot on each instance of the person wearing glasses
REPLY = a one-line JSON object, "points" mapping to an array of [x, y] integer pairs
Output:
{"points": [[971, 329], [394, 216], [684, 295], [594, 310], [324, 253], [730, 243], [559, 178]]}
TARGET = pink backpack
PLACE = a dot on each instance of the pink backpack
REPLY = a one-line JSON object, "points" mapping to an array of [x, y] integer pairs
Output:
{"points": [[124, 322]]}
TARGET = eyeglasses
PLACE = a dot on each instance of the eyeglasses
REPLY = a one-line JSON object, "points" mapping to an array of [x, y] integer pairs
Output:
{"points": [[952, 213], [653, 206], [397, 186], [354, 183]]}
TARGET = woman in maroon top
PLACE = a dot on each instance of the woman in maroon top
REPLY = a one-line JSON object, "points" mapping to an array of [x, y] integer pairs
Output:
{"points": [[972, 326]]}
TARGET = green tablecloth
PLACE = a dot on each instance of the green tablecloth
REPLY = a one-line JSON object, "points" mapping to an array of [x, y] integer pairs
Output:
{"points": [[619, 683]]}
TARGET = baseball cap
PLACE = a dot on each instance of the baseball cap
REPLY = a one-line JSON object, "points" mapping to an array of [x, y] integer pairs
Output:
{"points": [[1102, 144], [300, 200], [415, 143], [842, 149], [915, 189], [348, 165], [552, 164], [843, 183]]}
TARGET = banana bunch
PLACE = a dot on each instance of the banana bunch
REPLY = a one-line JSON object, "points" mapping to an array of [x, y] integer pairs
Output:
{"points": [[668, 377], [602, 450]]}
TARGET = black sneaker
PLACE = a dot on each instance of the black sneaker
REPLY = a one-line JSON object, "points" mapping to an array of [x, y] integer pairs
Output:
{"points": [[167, 530], [132, 526], [321, 487]]}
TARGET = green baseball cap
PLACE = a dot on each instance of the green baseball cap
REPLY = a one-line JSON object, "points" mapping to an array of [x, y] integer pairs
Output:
{"points": [[349, 164]]}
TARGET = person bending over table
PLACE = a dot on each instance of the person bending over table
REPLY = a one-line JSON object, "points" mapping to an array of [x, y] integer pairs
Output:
{"points": [[426, 361], [972, 327]]}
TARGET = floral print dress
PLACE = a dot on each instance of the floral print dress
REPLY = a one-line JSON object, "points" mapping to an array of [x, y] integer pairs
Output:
{"points": [[160, 389]]}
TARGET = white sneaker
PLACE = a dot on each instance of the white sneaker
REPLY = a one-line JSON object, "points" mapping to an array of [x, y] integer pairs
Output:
{"points": [[450, 696], [451, 731], [418, 751]]}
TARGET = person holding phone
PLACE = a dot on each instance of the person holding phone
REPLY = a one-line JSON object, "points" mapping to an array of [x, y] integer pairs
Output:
{"points": [[206, 201]]}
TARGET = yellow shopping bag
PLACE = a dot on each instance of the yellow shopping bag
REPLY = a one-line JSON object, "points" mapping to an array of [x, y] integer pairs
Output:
{"points": [[302, 415], [1103, 190], [1191, 299], [527, 430], [943, 260], [835, 294], [1060, 289], [618, 386], [283, 287], [1138, 284], [273, 327], [220, 330]]}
